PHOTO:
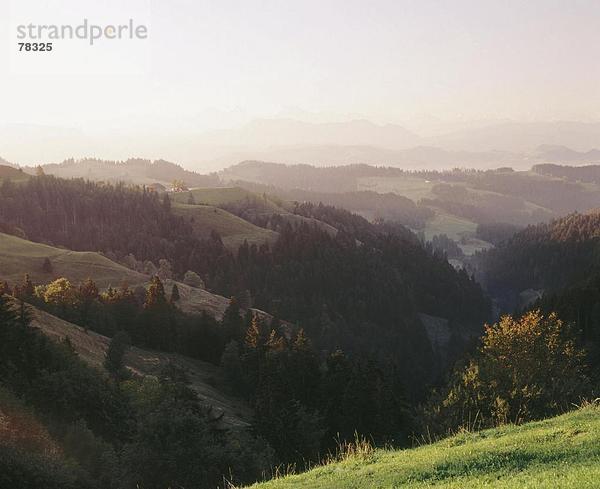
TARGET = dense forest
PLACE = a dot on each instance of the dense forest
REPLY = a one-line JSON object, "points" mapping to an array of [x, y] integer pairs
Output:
{"points": [[372, 205], [369, 277], [586, 173], [344, 351], [547, 256], [114, 219], [561, 259], [77, 428]]}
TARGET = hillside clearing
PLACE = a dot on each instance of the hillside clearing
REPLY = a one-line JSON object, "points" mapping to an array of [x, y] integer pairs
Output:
{"points": [[561, 452], [19, 256], [232, 229], [219, 196]]}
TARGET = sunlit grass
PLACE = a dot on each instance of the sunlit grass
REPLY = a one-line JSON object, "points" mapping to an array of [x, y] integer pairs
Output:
{"points": [[562, 452]]}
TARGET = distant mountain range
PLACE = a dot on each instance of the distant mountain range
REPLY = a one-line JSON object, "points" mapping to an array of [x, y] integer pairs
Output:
{"points": [[563, 154], [418, 157], [513, 144], [523, 137], [267, 133]]}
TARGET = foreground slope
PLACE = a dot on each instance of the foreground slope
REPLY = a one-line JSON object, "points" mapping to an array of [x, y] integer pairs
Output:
{"points": [[558, 452]]}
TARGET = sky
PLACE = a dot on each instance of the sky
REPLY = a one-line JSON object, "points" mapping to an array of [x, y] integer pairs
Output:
{"points": [[220, 64]]}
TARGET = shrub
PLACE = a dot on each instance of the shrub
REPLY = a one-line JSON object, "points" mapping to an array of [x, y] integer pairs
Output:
{"points": [[525, 369]]}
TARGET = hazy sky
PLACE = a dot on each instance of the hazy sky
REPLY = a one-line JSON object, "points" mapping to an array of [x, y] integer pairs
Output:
{"points": [[223, 62]]}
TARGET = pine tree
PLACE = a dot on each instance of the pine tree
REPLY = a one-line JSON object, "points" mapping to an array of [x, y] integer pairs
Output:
{"points": [[155, 296], [175, 293], [4, 288], [88, 293], [88, 290], [47, 266], [117, 348], [232, 322], [275, 343], [253, 336], [166, 203], [27, 288]]}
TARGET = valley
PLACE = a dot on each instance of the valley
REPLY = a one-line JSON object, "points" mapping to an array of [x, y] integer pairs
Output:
{"points": [[292, 307]]}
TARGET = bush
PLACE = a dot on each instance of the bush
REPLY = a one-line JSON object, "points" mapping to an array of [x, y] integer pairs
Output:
{"points": [[526, 368]]}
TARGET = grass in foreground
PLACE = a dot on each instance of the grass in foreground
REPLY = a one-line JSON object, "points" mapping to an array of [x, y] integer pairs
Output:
{"points": [[561, 452]]}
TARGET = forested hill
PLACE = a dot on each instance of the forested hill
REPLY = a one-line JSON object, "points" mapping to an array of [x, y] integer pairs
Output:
{"points": [[133, 170], [361, 290], [586, 173], [548, 256]]}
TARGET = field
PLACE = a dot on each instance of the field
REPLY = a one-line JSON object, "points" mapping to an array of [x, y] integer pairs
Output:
{"points": [[457, 228], [561, 452], [453, 226], [219, 196], [19, 256], [232, 229], [413, 188]]}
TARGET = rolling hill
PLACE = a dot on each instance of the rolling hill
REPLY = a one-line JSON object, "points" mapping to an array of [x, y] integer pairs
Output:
{"points": [[220, 196], [14, 174], [19, 256], [134, 170], [549, 256], [232, 229], [239, 202], [558, 452], [205, 379]]}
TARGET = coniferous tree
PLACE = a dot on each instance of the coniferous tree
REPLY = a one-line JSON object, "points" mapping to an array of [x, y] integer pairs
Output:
{"points": [[157, 322], [27, 288], [4, 288], [233, 323], [117, 348], [155, 296], [47, 266], [175, 293], [88, 293]]}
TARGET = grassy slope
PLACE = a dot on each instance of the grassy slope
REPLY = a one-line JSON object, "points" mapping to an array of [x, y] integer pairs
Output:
{"points": [[222, 196], [219, 196], [414, 188], [205, 379], [561, 452], [14, 174], [232, 229], [19, 256]]}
